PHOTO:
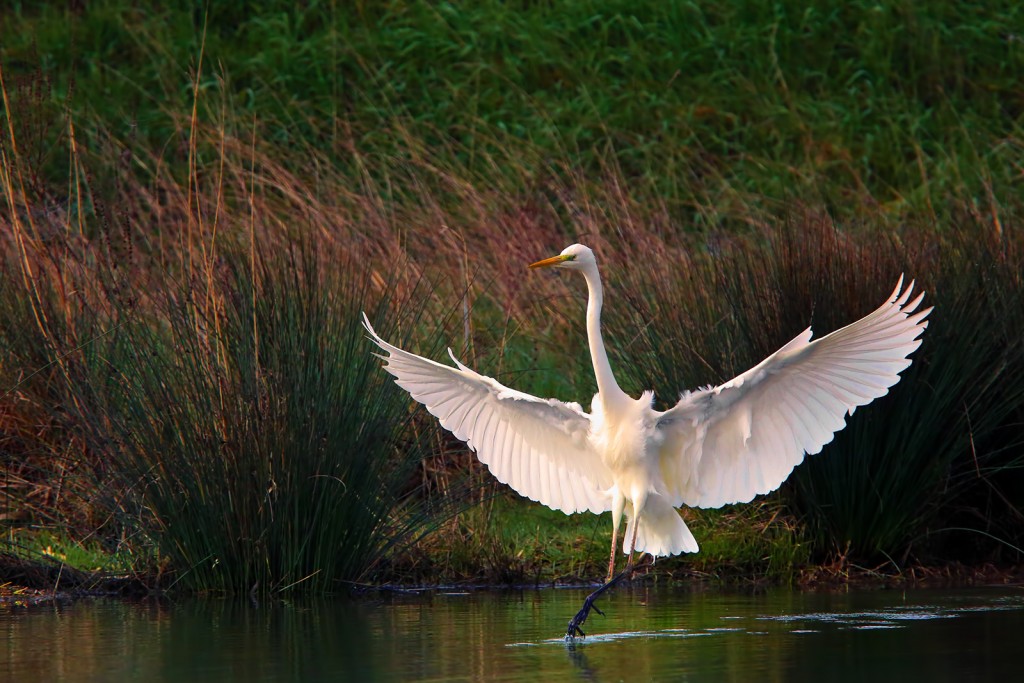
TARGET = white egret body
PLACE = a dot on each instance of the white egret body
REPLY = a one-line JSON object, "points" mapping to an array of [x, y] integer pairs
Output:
{"points": [[716, 446]]}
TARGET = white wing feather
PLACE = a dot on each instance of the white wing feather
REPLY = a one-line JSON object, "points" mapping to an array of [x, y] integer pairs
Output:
{"points": [[537, 446], [743, 438]]}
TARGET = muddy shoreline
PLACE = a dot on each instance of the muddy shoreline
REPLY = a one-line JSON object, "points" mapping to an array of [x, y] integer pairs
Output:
{"points": [[29, 583]]}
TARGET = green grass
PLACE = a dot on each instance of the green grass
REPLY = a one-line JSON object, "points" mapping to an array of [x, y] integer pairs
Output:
{"points": [[867, 109], [507, 540], [88, 555], [514, 541]]}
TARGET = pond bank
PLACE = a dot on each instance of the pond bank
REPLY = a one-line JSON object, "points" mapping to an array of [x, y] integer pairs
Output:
{"points": [[29, 583], [26, 582]]}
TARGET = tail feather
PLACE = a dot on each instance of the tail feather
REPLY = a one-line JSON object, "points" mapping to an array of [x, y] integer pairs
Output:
{"points": [[662, 531]]}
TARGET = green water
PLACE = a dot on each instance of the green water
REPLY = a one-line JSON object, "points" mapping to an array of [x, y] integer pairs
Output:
{"points": [[649, 634]]}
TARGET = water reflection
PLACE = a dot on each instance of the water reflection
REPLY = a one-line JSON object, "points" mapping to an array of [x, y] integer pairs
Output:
{"points": [[648, 634]]}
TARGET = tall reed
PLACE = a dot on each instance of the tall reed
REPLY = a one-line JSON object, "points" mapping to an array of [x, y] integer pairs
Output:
{"points": [[252, 434]]}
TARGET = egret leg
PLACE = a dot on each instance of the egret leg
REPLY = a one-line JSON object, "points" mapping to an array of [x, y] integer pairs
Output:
{"points": [[611, 562], [632, 543], [576, 623]]}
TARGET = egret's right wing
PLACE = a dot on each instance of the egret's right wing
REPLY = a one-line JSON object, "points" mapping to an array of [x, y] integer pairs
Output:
{"points": [[537, 446]]}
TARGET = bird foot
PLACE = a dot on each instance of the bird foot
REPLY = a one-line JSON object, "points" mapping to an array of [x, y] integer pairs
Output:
{"points": [[577, 621]]}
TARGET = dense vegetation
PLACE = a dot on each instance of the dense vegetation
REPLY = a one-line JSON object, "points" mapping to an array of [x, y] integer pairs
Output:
{"points": [[197, 206]]}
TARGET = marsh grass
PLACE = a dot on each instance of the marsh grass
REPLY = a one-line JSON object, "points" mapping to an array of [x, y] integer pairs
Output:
{"points": [[229, 375], [265, 444], [186, 247], [241, 426], [192, 373], [244, 433]]}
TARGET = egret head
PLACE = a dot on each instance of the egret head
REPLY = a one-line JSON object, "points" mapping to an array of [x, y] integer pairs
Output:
{"points": [[573, 257]]}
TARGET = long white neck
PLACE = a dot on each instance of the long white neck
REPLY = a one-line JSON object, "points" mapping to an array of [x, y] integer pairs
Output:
{"points": [[606, 384]]}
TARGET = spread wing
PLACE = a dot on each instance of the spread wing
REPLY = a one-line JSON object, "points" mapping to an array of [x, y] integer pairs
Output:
{"points": [[743, 438], [537, 446]]}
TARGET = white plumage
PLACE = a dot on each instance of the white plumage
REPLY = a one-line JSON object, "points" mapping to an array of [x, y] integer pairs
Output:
{"points": [[719, 445]]}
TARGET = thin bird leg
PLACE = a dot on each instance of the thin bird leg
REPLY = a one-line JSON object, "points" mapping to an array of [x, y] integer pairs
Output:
{"points": [[577, 621], [611, 562], [632, 544]]}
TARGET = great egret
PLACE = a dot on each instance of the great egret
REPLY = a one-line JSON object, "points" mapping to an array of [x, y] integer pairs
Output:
{"points": [[717, 445]]}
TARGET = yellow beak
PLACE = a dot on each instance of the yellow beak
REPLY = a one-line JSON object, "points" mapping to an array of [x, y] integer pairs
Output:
{"points": [[553, 261]]}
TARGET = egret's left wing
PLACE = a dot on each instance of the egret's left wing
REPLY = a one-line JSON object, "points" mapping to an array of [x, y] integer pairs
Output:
{"points": [[743, 438], [537, 446]]}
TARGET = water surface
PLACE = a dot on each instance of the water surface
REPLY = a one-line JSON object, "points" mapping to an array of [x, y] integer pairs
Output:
{"points": [[649, 634]]}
